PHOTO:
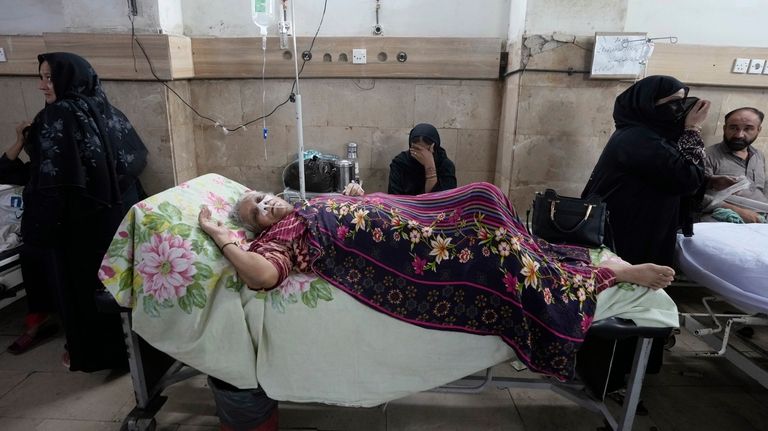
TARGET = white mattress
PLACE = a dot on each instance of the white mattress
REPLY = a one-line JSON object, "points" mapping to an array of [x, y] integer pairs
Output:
{"points": [[729, 259]]}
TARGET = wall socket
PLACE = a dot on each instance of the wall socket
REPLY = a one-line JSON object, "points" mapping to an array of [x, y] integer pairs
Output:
{"points": [[740, 65], [359, 56], [756, 66]]}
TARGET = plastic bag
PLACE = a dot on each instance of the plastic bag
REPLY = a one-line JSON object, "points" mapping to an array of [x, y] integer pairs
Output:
{"points": [[11, 209], [319, 174]]}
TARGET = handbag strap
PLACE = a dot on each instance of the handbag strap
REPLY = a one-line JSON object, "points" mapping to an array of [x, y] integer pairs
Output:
{"points": [[553, 210]]}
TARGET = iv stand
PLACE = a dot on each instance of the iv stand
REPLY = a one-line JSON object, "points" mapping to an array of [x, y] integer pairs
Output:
{"points": [[299, 119]]}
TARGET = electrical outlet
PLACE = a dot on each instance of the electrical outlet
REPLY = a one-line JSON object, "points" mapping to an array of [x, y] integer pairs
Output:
{"points": [[2, 55], [756, 66], [740, 65], [359, 56]]}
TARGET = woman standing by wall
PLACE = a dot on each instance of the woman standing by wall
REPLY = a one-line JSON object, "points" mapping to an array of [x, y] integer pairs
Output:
{"points": [[84, 162]]}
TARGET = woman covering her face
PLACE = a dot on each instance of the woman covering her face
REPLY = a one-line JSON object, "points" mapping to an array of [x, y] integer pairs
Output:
{"points": [[650, 168], [82, 176], [424, 167]]}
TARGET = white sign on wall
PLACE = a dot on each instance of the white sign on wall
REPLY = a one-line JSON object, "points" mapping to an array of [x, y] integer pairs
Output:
{"points": [[620, 55]]}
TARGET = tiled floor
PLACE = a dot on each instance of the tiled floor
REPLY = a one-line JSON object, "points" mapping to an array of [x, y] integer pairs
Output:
{"points": [[691, 393]]}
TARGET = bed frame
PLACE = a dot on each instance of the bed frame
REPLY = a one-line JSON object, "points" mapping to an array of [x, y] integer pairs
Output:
{"points": [[153, 371], [710, 328], [11, 286]]}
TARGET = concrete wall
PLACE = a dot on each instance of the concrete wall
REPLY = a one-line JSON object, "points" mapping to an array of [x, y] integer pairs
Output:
{"points": [[528, 131], [563, 123], [375, 114]]}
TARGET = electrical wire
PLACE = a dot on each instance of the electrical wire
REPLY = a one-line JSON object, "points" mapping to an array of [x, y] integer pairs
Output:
{"points": [[290, 98]]}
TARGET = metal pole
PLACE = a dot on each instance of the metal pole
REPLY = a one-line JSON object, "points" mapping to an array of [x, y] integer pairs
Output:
{"points": [[299, 119]]}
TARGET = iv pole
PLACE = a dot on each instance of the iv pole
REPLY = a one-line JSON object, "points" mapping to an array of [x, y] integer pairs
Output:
{"points": [[299, 119]]}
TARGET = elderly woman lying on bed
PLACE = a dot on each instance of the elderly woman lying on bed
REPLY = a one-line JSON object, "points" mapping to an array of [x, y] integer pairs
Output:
{"points": [[456, 260]]}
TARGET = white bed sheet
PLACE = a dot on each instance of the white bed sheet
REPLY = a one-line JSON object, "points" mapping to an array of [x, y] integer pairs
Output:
{"points": [[729, 259]]}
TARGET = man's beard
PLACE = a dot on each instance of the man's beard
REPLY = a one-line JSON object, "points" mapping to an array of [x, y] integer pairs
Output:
{"points": [[737, 144]]}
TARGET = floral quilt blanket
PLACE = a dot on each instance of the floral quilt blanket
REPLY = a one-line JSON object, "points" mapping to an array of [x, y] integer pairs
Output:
{"points": [[305, 341]]}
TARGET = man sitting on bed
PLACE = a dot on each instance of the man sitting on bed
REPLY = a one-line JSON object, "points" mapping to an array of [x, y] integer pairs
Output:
{"points": [[734, 158]]}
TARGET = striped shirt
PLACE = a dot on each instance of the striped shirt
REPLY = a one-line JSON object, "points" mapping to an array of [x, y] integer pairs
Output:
{"points": [[284, 245]]}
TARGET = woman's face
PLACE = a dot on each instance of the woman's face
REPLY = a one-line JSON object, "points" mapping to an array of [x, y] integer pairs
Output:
{"points": [[46, 84], [260, 216]]}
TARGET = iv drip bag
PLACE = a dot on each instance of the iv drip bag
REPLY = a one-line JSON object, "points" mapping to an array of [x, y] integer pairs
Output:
{"points": [[263, 14]]}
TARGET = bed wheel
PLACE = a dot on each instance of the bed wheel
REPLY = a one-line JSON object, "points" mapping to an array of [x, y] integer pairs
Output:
{"points": [[141, 424], [670, 342]]}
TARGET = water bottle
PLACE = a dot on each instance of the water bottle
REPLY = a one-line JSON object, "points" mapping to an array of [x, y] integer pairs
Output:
{"points": [[352, 156]]}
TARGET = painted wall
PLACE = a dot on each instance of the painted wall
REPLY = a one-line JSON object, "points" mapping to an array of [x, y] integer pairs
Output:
{"points": [[402, 18], [701, 22], [34, 17], [706, 22], [580, 17]]}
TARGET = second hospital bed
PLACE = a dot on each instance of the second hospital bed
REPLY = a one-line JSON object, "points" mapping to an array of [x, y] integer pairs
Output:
{"points": [[731, 260], [306, 341]]}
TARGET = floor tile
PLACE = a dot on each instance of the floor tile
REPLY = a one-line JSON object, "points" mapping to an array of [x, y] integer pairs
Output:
{"points": [[545, 410], [45, 395], [323, 417], [19, 424], [705, 409], [10, 379], [492, 409], [77, 425], [43, 357]]}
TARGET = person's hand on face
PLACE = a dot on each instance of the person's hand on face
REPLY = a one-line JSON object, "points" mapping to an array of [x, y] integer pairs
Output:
{"points": [[423, 153], [698, 114]]}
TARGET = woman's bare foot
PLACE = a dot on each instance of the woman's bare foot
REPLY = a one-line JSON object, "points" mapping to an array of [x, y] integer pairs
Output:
{"points": [[644, 274]]}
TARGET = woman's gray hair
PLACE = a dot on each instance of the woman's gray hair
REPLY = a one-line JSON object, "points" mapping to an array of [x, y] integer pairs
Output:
{"points": [[235, 213]]}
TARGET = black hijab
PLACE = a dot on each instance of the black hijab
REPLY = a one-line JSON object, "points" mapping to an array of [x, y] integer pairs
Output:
{"points": [[636, 106], [81, 140], [406, 174]]}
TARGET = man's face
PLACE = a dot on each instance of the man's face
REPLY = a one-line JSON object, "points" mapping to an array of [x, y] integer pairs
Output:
{"points": [[741, 129]]}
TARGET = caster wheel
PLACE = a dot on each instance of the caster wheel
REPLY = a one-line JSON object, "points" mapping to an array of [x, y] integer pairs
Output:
{"points": [[141, 424], [670, 342]]}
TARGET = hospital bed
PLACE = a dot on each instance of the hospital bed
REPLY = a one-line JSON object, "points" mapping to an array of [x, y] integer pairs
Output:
{"points": [[10, 244], [307, 341], [731, 260], [11, 288]]}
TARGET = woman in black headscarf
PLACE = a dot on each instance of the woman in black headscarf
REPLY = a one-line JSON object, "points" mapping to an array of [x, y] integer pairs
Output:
{"points": [[650, 168], [424, 168], [84, 162]]}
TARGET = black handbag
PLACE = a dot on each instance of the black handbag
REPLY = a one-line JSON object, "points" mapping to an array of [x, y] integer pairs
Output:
{"points": [[319, 175], [562, 219]]}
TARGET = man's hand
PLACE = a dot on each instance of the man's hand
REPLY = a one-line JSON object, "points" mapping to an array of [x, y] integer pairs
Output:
{"points": [[747, 215], [721, 182]]}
